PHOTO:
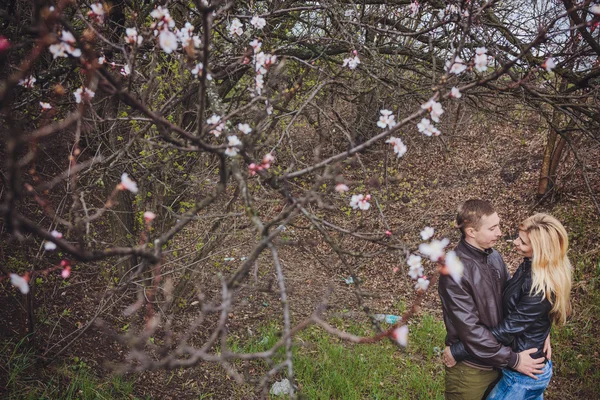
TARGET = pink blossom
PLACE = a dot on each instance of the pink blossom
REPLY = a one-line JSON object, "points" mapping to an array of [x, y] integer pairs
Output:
{"points": [[414, 8], [388, 233], [149, 216], [268, 158], [97, 12], [4, 44], [66, 272], [400, 335]]}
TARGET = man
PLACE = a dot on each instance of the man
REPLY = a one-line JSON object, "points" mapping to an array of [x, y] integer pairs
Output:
{"points": [[474, 304]]}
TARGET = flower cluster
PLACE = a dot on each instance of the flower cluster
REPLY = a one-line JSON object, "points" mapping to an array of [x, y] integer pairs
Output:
{"points": [[258, 22], [435, 111], [457, 66], [97, 12], [49, 246], [65, 46], [236, 27], [262, 62], [399, 147], [481, 59], [360, 201], [265, 164], [162, 28], [132, 37], [386, 119], [187, 38], [27, 82], [218, 125], [352, 62], [197, 71], [414, 8], [233, 143]]}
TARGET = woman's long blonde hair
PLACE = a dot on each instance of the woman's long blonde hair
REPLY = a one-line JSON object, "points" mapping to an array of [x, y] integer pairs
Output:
{"points": [[550, 266]]}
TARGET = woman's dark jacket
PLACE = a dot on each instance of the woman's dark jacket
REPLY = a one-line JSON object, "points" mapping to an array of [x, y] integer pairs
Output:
{"points": [[526, 321]]}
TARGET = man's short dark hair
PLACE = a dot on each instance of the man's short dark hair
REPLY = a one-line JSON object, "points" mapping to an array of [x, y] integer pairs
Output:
{"points": [[470, 213]]}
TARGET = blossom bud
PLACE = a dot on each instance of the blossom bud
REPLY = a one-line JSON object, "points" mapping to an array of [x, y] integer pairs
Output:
{"points": [[66, 272]]}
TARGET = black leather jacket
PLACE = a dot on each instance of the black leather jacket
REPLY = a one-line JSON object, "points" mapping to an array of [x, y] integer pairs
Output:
{"points": [[474, 304], [526, 322]]}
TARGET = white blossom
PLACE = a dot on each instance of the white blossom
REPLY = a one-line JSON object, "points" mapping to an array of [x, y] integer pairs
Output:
{"points": [[427, 128], [167, 41], [236, 27], [128, 184], [455, 67], [49, 246], [549, 64], [216, 120], [595, 9], [414, 8], [132, 37], [83, 94], [149, 216], [27, 82], [400, 335], [399, 147], [351, 62], [258, 22], [101, 60], [341, 188], [434, 108], [232, 151], [360, 201], [455, 93], [454, 267], [481, 62], [244, 128], [435, 249], [21, 283], [422, 283], [45, 106], [427, 233], [256, 45], [125, 71], [97, 12], [259, 83], [386, 119]]}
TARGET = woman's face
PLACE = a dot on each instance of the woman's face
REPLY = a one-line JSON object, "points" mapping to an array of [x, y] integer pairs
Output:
{"points": [[523, 245]]}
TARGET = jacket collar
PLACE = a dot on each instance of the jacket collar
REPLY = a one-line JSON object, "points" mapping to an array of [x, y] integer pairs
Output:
{"points": [[472, 251]]}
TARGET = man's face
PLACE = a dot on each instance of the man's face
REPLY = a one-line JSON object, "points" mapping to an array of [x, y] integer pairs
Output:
{"points": [[488, 233]]}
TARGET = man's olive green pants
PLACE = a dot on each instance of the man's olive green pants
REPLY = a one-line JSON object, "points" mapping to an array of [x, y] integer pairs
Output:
{"points": [[467, 383]]}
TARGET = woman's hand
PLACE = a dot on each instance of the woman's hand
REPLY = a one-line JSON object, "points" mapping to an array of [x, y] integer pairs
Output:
{"points": [[449, 360], [548, 348]]}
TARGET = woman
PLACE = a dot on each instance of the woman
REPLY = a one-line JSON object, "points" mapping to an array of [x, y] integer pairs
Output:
{"points": [[537, 295]]}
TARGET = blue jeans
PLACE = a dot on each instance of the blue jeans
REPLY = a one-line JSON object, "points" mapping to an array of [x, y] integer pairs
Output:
{"points": [[515, 385]]}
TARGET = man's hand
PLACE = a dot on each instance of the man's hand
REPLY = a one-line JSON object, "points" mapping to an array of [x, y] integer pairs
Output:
{"points": [[449, 360], [530, 366], [548, 348]]}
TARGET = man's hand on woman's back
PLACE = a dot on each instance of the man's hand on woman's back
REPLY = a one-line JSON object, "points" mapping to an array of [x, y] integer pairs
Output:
{"points": [[530, 366]]}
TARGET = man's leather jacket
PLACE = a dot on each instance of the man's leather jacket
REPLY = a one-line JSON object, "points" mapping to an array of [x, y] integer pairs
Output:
{"points": [[474, 305], [526, 322]]}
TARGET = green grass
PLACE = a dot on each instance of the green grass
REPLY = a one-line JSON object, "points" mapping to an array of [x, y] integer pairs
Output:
{"points": [[67, 382], [328, 368]]}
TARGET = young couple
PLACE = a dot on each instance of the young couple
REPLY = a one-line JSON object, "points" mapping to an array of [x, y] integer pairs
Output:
{"points": [[496, 322]]}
